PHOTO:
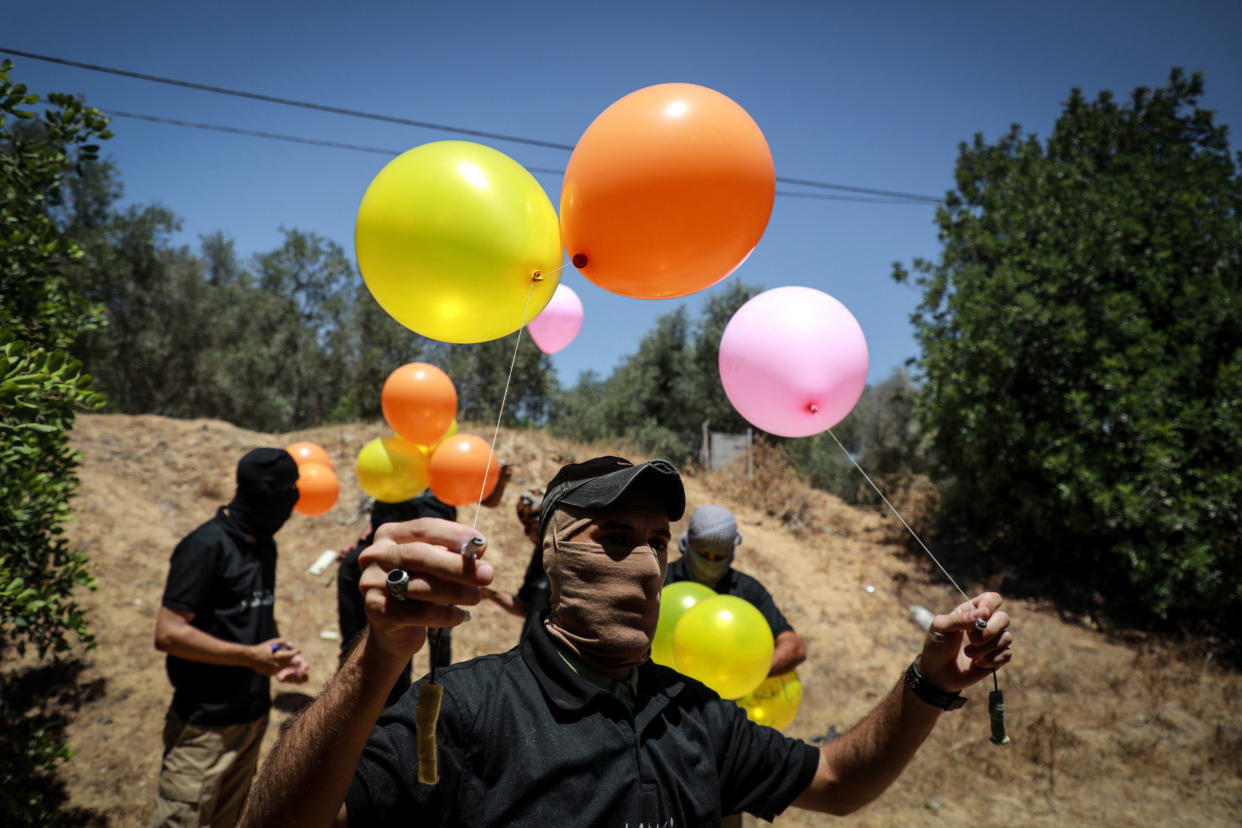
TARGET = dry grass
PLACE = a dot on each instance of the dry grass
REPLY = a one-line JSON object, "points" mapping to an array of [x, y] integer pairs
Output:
{"points": [[1105, 732]]}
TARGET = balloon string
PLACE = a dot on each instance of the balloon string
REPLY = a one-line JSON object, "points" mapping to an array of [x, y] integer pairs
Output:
{"points": [[505, 396], [892, 508]]}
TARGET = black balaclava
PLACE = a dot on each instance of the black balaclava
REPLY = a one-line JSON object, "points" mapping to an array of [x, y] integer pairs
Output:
{"points": [[266, 491]]}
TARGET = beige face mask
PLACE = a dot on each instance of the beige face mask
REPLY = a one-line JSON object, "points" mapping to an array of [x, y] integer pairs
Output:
{"points": [[605, 600]]}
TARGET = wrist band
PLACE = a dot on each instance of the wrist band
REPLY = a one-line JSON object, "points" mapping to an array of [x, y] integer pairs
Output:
{"points": [[930, 693]]}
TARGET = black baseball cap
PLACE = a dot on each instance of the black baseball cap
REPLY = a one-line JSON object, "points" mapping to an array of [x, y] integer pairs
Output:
{"points": [[602, 481]]}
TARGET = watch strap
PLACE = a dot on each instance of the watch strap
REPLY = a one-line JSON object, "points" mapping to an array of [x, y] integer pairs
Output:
{"points": [[930, 693]]}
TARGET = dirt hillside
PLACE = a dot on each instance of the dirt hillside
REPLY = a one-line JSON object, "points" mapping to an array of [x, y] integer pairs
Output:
{"points": [[1104, 732]]}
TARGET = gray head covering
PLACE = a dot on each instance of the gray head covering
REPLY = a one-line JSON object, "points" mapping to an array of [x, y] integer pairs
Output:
{"points": [[713, 531]]}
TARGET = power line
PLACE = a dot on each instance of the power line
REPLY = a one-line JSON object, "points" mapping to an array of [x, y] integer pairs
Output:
{"points": [[416, 123], [392, 153]]}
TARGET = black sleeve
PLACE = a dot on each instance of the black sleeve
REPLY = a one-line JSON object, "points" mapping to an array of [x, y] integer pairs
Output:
{"points": [[350, 610], [386, 790], [762, 771], [755, 593], [192, 573], [535, 578]]}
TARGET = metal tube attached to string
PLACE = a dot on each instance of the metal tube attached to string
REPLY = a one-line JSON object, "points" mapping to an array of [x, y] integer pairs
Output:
{"points": [[996, 698], [431, 693]]}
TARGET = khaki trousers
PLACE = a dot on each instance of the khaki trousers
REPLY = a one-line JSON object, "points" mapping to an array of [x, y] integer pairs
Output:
{"points": [[206, 772]]}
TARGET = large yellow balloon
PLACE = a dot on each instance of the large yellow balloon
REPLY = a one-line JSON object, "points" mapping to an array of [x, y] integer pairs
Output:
{"points": [[448, 237], [725, 643], [675, 599], [774, 703], [391, 469]]}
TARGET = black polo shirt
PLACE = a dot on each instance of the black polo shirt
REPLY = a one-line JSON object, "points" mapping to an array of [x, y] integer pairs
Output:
{"points": [[741, 585], [524, 740], [228, 582]]}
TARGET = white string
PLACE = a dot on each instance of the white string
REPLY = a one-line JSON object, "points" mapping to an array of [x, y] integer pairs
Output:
{"points": [[913, 534], [537, 277]]}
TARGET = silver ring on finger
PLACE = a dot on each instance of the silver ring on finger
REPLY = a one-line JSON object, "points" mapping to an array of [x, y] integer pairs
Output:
{"points": [[398, 583]]}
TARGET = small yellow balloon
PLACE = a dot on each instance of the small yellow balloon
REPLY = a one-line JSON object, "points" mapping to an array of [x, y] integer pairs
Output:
{"points": [[675, 599], [725, 643], [391, 469], [448, 237], [774, 703]]}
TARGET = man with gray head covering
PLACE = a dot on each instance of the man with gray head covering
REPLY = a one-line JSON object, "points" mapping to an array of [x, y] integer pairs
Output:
{"points": [[707, 550], [576, 725]]}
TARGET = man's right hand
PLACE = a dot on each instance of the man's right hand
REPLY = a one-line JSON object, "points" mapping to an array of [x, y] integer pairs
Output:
{"points": [[429, 550], [271, 656]]}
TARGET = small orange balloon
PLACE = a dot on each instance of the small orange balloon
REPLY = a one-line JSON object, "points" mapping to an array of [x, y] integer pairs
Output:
{"points": [[317, 489], [307, 452], [463, 470], [667, 192], [419, 402]]}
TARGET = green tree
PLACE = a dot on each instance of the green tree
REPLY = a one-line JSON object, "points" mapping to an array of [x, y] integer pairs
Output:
{"points": [[1082, 357], [42, 387], [41, 390], [658, 398]]}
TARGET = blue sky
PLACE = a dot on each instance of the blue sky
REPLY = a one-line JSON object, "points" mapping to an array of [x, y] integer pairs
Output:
{"points": [[875, 97]]}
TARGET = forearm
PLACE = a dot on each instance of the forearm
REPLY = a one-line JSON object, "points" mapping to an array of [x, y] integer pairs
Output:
{"points": [[507, 601], [308, 772], [192, 644], [860, 765], [789, 653]]}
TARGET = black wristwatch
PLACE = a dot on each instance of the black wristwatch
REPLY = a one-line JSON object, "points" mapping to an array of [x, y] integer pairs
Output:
{"points": [[930, 693]]}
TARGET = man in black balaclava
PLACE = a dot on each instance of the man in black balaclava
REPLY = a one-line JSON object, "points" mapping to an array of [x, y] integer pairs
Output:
{"points": [[217, 626]]}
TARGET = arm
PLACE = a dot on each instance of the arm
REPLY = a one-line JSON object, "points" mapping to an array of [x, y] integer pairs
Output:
{"points": [[498, 491], [507, 601], [175, 635], [309, 770], [789, 653], [859, 766]]}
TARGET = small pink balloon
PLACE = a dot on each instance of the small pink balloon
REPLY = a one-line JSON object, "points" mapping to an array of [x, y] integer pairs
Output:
{"points": [[793, 361], [559, 322]]}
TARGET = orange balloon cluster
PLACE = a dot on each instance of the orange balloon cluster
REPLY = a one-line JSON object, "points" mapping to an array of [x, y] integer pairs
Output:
{"points": [[318, 487], [419, 402]]}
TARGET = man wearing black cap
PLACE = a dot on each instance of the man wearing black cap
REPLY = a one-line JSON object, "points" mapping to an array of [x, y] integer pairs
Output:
{"points": [[707, 550], [576, 726], [217, 626]]}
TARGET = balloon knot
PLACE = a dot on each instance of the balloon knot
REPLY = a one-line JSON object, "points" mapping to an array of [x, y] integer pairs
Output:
{"points": [[579, 260], [537, 276], [813, 408]]}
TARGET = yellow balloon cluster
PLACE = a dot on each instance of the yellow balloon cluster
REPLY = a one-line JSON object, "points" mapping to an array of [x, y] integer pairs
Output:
{"points": [[391, 469], [724, 642], [774, 703], [449, 236], [675, 599]]}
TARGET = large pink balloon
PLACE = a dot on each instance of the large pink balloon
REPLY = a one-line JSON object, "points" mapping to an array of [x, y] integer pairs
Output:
{"points": [[559, 322], [793, 361]]}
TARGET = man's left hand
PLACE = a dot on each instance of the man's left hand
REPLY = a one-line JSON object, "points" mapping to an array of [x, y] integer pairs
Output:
{"points": [[958, 653], [298, 672]]}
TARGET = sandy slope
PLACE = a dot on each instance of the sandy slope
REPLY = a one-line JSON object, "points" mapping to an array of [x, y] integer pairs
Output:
{"points": [[1104, 733]]}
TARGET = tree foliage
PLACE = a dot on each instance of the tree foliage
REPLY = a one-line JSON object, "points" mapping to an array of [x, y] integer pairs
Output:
{"points": [[41, 386], [1082, 357], [658, 399], [41, 389]]}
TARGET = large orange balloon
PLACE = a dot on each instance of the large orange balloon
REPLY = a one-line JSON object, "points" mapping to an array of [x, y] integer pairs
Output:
{"points": [[419, 402], [317, 489], [463, 470], [304, 451], [667, 192]]}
